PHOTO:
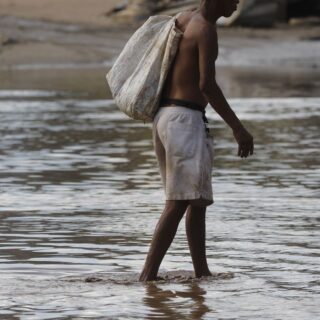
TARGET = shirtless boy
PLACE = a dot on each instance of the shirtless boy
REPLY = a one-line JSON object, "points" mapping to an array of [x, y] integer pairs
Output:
{"points": [[182, 143]]}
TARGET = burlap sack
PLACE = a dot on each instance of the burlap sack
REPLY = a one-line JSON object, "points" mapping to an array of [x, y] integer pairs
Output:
{"points": [[137, 77]]}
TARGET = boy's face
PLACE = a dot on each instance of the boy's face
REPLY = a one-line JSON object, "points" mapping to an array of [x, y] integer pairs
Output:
{"points": [[228, 7]]}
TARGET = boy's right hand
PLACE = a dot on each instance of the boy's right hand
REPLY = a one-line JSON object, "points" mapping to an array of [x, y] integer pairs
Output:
{"points": [[245, 142]]}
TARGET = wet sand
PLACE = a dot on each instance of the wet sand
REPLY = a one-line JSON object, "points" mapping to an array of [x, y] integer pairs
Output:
{"points": [[35, 35], [91, 12], [37, 54], [178, 276]]}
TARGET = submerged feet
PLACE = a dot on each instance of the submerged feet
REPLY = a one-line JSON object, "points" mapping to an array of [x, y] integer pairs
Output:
{"points": [[144, 276], [151, 279], [204, 274]]}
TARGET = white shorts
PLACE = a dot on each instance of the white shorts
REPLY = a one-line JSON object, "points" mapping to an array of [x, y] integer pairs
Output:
{"points": [[184, 152]]}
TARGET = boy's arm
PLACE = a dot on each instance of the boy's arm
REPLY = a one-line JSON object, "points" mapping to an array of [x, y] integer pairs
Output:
{"points": [[208, 51]]}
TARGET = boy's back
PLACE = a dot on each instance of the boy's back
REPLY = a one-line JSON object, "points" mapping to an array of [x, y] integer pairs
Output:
{"points": [[183, 81]]}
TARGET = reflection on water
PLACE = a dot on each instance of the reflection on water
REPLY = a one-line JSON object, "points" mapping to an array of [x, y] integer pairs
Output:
{"points": [[189, 303], [81, 194]]}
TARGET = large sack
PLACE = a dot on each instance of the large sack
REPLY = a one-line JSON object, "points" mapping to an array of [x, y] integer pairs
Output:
{"points": [[137, 77]]}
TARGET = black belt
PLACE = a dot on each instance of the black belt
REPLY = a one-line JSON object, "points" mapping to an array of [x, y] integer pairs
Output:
{"points": [[166, 102]]}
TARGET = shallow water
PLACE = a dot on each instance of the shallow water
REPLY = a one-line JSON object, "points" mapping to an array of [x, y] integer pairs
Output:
{"points": [[81, 194]]}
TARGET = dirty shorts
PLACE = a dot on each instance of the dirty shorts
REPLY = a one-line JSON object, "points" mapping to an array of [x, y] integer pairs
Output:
{"points": [[184, 152]]}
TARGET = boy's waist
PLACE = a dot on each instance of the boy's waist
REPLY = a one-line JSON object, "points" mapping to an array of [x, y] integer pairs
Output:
{"points": [[167, 102]]}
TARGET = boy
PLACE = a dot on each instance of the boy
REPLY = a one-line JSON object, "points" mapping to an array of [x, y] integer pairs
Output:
{"points": [[182, 143]]}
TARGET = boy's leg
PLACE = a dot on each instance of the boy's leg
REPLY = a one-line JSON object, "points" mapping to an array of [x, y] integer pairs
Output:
{"points": [[164, 233], [196, 233]]}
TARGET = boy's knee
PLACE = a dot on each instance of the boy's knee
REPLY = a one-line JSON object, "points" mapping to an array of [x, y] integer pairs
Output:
{"points": [[200, 203], [177, 205]]}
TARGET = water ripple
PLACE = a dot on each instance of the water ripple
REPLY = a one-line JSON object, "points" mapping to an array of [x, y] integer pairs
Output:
{"points": [[81, 194]]}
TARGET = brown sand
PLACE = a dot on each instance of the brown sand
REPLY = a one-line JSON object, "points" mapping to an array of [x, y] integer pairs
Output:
{"points": [[44, 38], [179, 276], [70, 11]]}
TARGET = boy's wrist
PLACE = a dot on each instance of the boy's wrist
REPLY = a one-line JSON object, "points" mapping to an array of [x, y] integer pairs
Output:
{"points": [[237, 127]]}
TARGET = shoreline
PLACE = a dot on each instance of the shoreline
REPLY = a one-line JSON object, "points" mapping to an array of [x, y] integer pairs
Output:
{"points": [[37, 42], [37, 53]]}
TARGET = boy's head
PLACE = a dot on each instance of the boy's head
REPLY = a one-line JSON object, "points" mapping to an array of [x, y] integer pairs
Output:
{"points": [[223, 8], [228, 6]]}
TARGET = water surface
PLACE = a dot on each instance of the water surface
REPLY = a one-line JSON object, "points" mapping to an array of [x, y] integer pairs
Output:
{"points": [[81, 194]]}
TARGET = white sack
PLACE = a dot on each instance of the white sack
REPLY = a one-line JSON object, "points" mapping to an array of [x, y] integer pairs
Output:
{"points": [[137, 77]]}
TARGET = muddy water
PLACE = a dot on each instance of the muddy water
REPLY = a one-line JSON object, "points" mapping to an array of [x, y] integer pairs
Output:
{"points": [[81, 194]]}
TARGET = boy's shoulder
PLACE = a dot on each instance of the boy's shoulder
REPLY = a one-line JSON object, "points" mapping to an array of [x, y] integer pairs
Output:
{"points": [[203, 28]]}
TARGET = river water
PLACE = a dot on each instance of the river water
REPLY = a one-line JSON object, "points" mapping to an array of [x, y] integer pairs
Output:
{"points": [[81, 194]]}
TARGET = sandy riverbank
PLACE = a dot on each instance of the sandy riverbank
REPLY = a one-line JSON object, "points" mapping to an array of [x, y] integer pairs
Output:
{"points": [[61, 35], [91, 12]]}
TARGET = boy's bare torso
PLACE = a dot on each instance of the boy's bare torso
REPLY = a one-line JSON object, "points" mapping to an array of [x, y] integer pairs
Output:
{"points": [[184, 77]]}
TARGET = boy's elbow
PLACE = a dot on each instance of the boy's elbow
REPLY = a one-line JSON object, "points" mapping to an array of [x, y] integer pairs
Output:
{"points": [[208, 87], [205, 88]]}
